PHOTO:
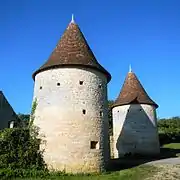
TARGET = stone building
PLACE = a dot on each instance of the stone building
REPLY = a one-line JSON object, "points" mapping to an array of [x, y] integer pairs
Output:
{"points": [[72, 108], [134, 120], [8, 118]]}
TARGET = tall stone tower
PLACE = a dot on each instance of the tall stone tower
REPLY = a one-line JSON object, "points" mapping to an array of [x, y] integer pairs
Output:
{"points": [[71, 93], [134, 120]]}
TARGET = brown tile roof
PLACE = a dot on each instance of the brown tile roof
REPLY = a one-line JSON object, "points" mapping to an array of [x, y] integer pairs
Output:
{"points": [[72, 49], [133, 92]]}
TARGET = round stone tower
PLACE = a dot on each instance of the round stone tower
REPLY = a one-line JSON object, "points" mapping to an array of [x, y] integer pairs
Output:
{"points": [[134, 120], [72, 107]]}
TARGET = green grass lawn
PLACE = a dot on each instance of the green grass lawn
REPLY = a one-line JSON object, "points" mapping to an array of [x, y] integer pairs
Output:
{"points": [[172, 146], [137, 173]]}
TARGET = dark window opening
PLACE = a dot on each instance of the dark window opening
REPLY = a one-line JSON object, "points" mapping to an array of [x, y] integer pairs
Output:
{"points": [[84, 111], [100, 86], [94, 145], [81, 82], [40, 87], [140, 109], [58, 84]]}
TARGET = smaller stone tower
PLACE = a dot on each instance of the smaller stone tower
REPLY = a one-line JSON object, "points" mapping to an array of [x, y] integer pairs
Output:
{"points": [[134, 120]]}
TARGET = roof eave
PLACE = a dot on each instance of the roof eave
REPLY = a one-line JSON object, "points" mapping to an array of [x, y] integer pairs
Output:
{"points": [[107, 74], [127, 103]]}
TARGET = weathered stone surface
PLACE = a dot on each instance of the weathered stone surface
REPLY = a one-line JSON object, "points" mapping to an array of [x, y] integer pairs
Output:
{"points": [[135, 130], [59, 114]]}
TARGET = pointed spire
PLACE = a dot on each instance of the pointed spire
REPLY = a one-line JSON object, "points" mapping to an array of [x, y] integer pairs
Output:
{"points": [[130, 69], [72, 50], [133, 92], [72, 19]]}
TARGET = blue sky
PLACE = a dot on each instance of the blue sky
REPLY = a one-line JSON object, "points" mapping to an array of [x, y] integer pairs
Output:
{"points": [[143, 33]]}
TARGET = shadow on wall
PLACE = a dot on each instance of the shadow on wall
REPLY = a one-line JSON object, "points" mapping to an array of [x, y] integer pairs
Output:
{"points": [[138, 141], [139, 135]]}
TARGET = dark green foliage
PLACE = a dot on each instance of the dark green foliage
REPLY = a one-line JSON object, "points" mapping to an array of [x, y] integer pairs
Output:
{"points": [[24, 120], [169, 130], [23, 173], [20, 149], [24, 117], [20, 154], [31, 121]]}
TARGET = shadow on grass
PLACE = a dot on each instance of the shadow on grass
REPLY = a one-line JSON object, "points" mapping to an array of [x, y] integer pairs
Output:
{"points": [[136, 160]]}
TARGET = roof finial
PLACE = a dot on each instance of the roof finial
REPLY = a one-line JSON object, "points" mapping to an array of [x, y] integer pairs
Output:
{"points": [[130, 69], [72, 20]]}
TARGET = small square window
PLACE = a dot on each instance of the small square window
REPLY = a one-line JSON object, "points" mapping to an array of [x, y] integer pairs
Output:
{"points": [[58, 84], [40, 87], [84, 111], [94, 145], [81, 82]]}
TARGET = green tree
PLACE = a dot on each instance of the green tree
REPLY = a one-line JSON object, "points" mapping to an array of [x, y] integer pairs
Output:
{"points": [[110, 103], [169, 130], [24, 119]]}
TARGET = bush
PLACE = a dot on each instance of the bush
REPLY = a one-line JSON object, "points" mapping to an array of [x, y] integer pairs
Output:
{"points": [[169, 130], [19, 149], [10, 173]]}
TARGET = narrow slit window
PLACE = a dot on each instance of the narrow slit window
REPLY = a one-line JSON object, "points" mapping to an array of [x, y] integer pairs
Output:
{"points": [[84, 111], [94, 145], [40, 87], [58, 84], [81, 82]]}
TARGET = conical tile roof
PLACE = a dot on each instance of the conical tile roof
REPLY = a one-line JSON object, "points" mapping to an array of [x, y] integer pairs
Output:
{"points": [[72, 50], [133, 92]]}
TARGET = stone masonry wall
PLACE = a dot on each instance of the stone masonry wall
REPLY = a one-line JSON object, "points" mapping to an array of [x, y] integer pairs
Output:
{"points": [[135, 130], [72, 114]]}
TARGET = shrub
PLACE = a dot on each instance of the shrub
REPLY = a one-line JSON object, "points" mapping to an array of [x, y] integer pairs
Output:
{"points": [[10, 173], [169, 130], [19, 148]]}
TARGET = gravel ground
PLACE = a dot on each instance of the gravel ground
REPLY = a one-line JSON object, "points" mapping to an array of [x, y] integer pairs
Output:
{"points": [[170, 161], [166, 172]]}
